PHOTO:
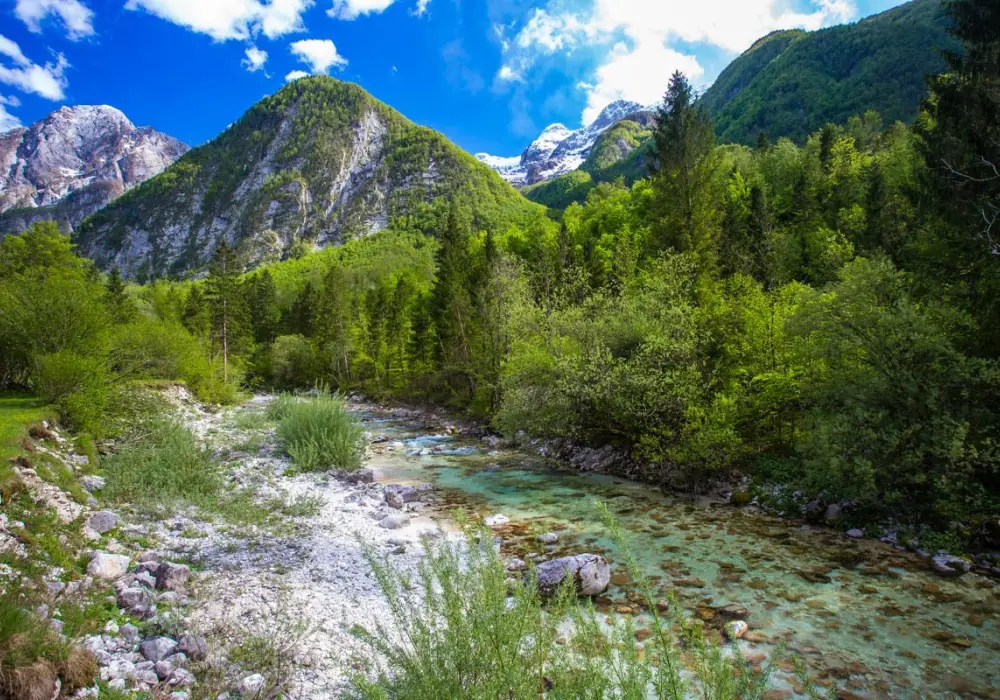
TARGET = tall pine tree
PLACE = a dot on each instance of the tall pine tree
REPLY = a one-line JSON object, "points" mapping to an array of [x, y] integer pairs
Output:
{"points": [[225, 298]]}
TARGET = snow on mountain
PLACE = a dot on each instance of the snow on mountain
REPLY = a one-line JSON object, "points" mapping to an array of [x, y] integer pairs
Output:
{"points": [[74, 161], [558, 149]]}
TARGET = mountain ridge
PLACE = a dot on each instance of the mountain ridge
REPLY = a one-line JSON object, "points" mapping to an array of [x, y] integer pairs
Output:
{"points": [[317, 163], [74, 161]]}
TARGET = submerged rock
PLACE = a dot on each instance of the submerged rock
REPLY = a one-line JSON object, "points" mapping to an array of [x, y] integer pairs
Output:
{"points": [[591, 574], [548, 538], [736, 629]]}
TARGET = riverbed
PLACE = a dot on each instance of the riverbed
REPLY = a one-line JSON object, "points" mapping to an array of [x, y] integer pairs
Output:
{"points": [[867, 618]]}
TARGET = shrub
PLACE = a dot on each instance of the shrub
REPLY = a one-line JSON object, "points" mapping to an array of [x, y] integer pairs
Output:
{"points": [[165, 466], [468, 631], [293, 362], [79, 387], [319, 433]]}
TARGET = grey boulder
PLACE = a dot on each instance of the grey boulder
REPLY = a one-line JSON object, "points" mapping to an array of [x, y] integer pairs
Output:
{"points": [[157, 649], [590, 573], [193, 645], [103, 521], [172, 577], [950, 566]]}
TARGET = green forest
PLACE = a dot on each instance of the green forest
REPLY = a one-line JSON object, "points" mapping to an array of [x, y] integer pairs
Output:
{"points": [[823, 316]]}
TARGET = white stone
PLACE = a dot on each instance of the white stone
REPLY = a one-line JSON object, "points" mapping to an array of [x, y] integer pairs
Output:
{"points": [[108, 566], [496, 520]]}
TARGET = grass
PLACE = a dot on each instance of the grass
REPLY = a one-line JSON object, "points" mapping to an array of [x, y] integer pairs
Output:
{"points": [[17, 413], [465, 629], [318, 433], [166, 466]]}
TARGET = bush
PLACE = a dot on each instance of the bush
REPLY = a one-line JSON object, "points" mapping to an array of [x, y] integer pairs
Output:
{"points": [[163, 467], [79, 387], [293, 362], [470, 632], [319, 433]]}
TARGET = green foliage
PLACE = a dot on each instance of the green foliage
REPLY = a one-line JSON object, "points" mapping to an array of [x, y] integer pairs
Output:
{"points": [[474, 633], [318, 433], [791, 83], [561, 191], [164, 466]]}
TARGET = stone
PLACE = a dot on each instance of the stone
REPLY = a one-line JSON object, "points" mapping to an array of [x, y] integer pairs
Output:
{"points": [[135, 600], [736, 629], [56, 626], [394, 521], [92, 482], [394, 499], [548, 538], [146, 579], [496, 520], [129, 632], [516, 565], [108, 566], [55, 588], [591, 574], [180, 678], [103, 521], [253, 684], [163, 669], [172, 577], [833, 512], [950, 566], [193, 645], [855, 533], [157, 648]]}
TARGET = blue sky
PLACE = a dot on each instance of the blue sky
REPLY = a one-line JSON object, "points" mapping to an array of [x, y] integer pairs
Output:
{"points": [[490, 74]]}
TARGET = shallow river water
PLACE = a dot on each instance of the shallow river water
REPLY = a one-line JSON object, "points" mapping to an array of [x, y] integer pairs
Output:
{"points": [[866, 618]]}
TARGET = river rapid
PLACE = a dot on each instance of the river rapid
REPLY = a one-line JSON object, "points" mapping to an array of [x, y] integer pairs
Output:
{"points": [[868, 619]]}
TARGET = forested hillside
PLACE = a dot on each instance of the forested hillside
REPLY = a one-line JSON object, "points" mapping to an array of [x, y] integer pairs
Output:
{"points": [[791, 83], [315, 164]]}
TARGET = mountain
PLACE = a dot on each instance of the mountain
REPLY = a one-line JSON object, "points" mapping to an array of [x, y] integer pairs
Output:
{"points": [[73, 162], [791, 83], [619, 152], [558, 149], [317, 163]]}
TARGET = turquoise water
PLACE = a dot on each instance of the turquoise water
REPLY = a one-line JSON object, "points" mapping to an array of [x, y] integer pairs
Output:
{"points": [[866, 618]]}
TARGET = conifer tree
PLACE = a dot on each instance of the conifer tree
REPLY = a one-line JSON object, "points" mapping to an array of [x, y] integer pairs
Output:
{"points": [[451, 304], [683, 141], [224, 294], [120, 304], [264, 312]]}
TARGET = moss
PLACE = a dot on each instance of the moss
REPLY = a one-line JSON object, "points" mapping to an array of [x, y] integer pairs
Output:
{"points": [[740, 498]]}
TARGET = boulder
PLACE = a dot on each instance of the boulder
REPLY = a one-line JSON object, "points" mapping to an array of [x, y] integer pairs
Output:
{"points": [[193, 645], [833, 512], [359, 476], [156, 649], [855, 534], [591, 574], [496, 520], [108, 566], [180, 678], [950, 566], [92, 482], [394, 521], [251, 685], [103, 521], [548, 538], [396, 495], [135, 600], [129, 632], [172, 577], [394, 499]]}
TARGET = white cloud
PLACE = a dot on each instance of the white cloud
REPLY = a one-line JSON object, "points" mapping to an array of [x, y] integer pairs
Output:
{"points": [[320, 54], [7, 120], [352, 9], [421, 9], [295, 75], [255, 59], [636, 34], [76, 17], [230, 19], [509, 74], [47, 81]]}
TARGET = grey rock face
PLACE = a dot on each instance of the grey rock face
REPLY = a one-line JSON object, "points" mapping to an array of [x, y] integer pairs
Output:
{"points": [[591, 574], [70, 164], [103, 521]]}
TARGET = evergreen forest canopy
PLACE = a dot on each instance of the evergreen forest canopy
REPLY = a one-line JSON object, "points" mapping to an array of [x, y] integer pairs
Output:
{"points": [[824, 316]]}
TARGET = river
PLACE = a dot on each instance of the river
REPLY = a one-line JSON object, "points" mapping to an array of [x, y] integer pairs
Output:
{"points": [[867, 618]]}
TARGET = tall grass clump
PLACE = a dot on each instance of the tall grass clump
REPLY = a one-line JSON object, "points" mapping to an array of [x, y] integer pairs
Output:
{"points": [[467, 630], [318, 433], [165, 465]]}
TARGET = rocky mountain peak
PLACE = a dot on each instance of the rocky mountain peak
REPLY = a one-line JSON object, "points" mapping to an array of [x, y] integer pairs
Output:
{"points": [[558, 149], [74, 161]]}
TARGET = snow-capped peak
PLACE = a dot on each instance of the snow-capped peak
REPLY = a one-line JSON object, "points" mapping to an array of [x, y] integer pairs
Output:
{"points": [[557, 149]]}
